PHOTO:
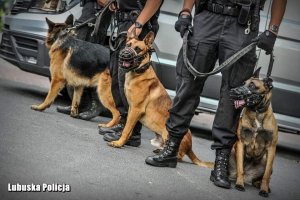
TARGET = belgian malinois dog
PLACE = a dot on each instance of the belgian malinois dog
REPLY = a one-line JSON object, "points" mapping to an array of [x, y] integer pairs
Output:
{"points": [[253, 154], [79, 64], [148, 100]]}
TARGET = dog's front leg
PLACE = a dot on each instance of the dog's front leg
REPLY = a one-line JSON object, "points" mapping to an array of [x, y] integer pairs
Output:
{"points": [[133, 117], [264, 188], [76, 101], [240, 165], [55, 88]]}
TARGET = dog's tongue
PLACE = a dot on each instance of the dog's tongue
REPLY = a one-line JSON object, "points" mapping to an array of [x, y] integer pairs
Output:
{"points": [[126, 64], [239, 103]]}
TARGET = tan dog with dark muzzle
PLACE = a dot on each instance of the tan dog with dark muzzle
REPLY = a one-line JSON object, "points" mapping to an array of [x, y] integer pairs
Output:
{"points": [[257, 135], [148, 100]]}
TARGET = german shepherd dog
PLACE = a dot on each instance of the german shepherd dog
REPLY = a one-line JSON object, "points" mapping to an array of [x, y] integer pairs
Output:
{"points": [[148, 100], [253, 154], [79, 64]]}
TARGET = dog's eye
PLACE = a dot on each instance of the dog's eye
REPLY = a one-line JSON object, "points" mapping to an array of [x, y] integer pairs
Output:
{"points": [[137, 49], [252, 86]]}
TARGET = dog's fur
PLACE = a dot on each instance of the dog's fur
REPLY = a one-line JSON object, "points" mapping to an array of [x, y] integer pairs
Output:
{"points": [[257, 135], [79, 64], [149, 103]]}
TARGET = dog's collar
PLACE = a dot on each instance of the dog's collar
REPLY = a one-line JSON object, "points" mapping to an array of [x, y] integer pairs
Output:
{"points": [[261, 108], [142, 68]]}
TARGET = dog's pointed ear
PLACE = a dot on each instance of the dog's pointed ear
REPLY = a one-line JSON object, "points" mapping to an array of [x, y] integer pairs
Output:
{"points": [[256, 73], [149, 38], [69, 20], [268, 82], [50, 23]]}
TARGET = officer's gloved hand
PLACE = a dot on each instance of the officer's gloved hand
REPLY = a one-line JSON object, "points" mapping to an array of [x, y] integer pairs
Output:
{"points": [[183, 23], [266, 41]]}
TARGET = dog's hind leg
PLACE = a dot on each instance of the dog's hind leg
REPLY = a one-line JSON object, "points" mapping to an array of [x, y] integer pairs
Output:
{"points": [[56, 86], [76, 101], [105, 96]]}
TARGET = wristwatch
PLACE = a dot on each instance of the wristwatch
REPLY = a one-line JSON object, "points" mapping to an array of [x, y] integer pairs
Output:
{"points": [[274, 28], [138, 25]]}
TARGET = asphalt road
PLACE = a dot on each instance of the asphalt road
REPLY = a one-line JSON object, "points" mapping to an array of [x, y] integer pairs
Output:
{"points": [[49, 147]]}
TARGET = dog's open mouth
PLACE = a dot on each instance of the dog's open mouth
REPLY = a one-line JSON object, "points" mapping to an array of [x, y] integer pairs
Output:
{"points": [[126, 64], [239, 103]]}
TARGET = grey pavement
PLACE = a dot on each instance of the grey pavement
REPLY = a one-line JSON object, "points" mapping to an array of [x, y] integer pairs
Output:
{"points": [[49, 147]]}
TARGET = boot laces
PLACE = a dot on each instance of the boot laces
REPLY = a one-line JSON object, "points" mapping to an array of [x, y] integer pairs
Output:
{"points": [[168, 149], [221, 167]]}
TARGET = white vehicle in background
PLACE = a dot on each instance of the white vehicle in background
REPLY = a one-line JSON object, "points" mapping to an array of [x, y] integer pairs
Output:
{"points": [[25, 30]]}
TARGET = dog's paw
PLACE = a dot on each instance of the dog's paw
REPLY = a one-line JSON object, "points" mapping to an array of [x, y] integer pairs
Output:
{"points": [[115, 144], [36, 107], [74, 113], [210, 165], [263, 193], [240, 188], [102, 125]]}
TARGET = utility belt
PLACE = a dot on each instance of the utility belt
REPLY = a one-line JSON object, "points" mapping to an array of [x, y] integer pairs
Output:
{"points": [[247, 13], [127, 16], [133, 15]]}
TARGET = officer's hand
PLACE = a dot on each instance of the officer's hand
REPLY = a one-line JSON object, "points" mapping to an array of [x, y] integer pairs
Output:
{"points": [[183, 23], [114, 6], [266, 41], [101, 2], [134, 32]]}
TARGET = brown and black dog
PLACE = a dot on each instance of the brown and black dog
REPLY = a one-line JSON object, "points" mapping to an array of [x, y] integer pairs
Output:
{"points": [[148, 100], [257, 135], [79, 64]]}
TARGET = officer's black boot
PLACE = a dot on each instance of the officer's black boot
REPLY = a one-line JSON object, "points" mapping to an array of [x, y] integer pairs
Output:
{"points": [[168, 156], [84, 104], [220, 173], [115, 133], [64, 109], [94, 109]]}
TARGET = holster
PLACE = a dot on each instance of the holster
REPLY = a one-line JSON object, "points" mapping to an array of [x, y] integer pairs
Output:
{"points": [[244, 13]]}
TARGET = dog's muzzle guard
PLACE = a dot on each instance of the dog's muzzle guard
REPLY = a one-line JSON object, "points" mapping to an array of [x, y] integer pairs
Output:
{"points": [[245, 96], [129, 59]]}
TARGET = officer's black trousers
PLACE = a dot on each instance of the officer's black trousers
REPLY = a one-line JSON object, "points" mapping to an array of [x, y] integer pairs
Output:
{"points": [[215, 37]]}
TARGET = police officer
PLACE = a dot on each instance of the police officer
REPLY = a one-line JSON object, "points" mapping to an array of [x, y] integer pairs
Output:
{"points": [[221, 28], [90, 105], [137, 18]]}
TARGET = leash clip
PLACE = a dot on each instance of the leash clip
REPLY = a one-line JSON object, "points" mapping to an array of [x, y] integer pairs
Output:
{"points": [[247, 30], [90, 24], [190, 29]]}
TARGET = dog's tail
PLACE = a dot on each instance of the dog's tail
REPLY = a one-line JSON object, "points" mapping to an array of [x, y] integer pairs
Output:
{"points": [[199, 162]]}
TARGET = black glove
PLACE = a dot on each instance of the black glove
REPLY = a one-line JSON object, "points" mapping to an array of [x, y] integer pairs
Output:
{"points": [[266, 41], [183, 23]]}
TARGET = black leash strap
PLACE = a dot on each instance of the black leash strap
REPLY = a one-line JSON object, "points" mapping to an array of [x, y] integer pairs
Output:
{"points": [[115, 42], [87, 22], [227, 63], [99, 18], [270, 67]]}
